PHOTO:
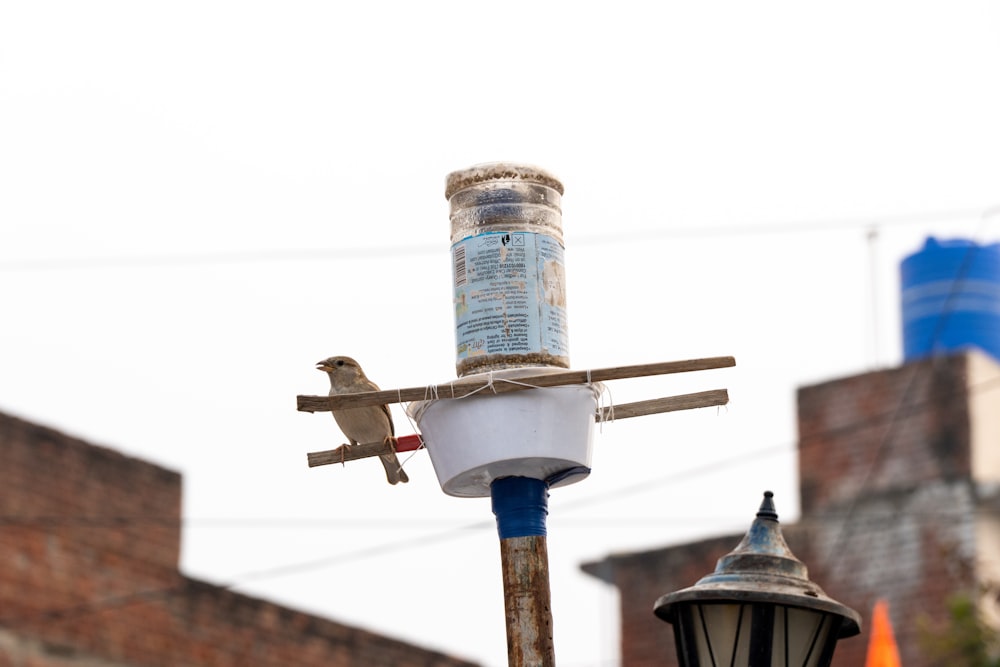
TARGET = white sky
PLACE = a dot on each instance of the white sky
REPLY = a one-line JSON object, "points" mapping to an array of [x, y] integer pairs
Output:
{"points": [[199, 200]]}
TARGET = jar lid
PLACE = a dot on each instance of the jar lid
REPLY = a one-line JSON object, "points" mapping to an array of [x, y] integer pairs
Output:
{"points": [[499, 171]]}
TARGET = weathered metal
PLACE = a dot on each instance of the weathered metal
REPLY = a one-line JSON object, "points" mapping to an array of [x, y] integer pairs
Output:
{"points": [[758, 608], [762, 569]]}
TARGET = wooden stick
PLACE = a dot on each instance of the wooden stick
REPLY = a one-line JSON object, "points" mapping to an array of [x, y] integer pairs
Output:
{"points": [[527, 601], [346, 453], [701, 399], [461, 388]]}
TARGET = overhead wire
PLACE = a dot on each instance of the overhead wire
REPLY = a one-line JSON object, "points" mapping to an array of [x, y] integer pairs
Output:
{"points": [[191, 259], [871, 524]]}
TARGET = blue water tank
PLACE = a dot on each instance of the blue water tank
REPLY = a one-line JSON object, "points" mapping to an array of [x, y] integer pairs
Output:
{"points": [[951, 298]]}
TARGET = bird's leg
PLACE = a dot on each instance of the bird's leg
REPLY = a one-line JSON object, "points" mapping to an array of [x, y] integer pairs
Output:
{"points": [[344, 448]]}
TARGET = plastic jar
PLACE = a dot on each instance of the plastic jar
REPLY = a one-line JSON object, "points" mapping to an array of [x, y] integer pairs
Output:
{"points": [[508, 268]]}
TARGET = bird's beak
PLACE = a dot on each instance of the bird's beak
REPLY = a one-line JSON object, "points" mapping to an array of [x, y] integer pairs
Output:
{"points": [[322, 366]]}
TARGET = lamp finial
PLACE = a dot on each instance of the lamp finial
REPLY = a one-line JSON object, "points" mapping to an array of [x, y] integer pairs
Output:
{"points": [[767, 510]]}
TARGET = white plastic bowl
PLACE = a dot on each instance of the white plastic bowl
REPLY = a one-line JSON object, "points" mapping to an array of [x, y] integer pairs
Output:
{"points": [[535, 433]]}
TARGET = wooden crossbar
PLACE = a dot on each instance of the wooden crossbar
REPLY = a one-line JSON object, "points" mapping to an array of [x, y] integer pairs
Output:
{"points": [[701, 399], [500, 385], [346, 453]]}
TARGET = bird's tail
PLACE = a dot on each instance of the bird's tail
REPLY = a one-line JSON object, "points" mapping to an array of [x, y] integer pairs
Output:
{"points": [[393, 470]]}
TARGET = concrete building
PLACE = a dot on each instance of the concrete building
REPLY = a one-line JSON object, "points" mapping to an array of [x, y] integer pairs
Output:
{"points": [[89, 549]]}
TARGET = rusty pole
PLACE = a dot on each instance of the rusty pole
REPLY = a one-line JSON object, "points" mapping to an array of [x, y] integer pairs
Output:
{"points": [[521, 506]]}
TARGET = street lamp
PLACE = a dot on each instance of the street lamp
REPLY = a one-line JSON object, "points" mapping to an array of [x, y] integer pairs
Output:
{"points": [[758, 609]]}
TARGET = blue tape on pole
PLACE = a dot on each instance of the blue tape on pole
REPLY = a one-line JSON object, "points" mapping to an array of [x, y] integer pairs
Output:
{"points": [[521, 505]]}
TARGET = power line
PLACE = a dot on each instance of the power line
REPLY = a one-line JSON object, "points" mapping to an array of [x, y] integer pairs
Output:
{"points": [[794, 227], [871, 524], [189, 259]]}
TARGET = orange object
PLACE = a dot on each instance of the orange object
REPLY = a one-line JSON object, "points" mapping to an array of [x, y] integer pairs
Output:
{"points": [[882, 649]]}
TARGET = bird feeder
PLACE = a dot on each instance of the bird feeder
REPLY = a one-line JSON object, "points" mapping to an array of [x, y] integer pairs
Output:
{"points": [[517, 422]]}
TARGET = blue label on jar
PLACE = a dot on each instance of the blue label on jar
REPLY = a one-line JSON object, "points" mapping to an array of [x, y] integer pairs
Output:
{"points": [[510, 295]]}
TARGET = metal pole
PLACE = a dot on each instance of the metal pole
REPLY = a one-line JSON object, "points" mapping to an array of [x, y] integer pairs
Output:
{"points": [[521, 506]]}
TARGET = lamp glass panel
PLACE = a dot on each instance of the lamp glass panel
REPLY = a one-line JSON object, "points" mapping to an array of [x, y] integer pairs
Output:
{"points": [[719, 634], [753, 635], [801, 637]]}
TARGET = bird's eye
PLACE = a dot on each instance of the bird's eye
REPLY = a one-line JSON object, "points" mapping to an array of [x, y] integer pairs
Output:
{"points": [[340, 362]]}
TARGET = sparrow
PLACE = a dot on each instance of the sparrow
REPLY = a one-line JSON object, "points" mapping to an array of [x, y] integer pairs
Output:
{"points": [[371, 423]]}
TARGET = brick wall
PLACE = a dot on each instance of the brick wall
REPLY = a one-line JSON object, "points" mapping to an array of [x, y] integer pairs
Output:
{"points": [[892, 429], [890, 508], [643, 577], [912, 548], [90, 547], [885, 463]]}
